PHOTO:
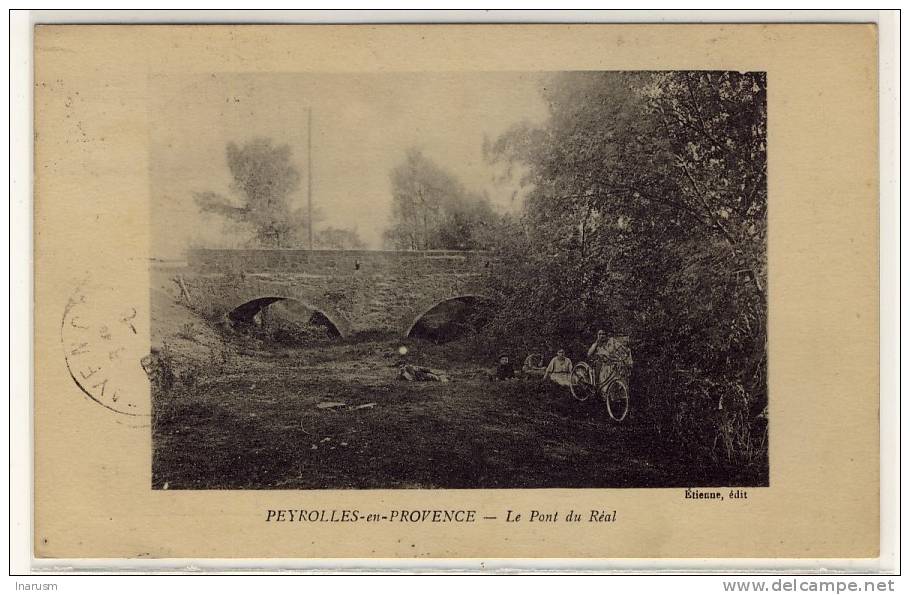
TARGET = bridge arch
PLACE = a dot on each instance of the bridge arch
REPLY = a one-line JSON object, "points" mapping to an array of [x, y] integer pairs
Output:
{"points": [[248, 307], [428, 306]]}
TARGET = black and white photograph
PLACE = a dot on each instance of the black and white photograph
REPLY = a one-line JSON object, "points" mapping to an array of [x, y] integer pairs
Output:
{"points": [[458, 280]]}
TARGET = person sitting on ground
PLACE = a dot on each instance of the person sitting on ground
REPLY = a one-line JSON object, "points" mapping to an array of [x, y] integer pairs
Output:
{"points": [[533, 366], [504, 370], [559, 369], [413, 373]]}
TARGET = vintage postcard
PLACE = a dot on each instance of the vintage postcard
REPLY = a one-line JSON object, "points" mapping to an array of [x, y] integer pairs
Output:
{"points": [[455, 291]]}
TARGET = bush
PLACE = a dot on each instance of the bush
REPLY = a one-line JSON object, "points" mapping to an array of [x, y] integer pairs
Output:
{"points": [[188, 331], [161, 369], [167, 371]]}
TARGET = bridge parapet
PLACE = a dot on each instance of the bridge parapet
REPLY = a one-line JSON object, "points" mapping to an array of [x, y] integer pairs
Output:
{"points": [[358, 290], [330, 262]]}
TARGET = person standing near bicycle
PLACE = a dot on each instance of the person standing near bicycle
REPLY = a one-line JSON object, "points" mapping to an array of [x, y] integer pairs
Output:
{"points": [[611, 356]]}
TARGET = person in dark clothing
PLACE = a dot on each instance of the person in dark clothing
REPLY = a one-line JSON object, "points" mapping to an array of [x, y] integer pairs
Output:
{"points": [[504, 370]]}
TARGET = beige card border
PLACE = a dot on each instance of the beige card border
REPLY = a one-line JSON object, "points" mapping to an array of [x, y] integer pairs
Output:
{"points": [[820, 55]]}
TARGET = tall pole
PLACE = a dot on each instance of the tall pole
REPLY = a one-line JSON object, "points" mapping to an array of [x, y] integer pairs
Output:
{"points": [[309, 173]]}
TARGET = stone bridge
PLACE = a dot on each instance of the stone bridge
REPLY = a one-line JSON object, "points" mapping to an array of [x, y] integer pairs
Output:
{"points": [[356, 290]]}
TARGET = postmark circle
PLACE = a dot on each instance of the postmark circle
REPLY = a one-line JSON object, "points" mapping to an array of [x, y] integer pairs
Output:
{"points": [[104, 340]]}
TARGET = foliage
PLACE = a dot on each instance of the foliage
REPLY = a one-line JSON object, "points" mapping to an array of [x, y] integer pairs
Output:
{"points": [[160, 367], [433, 210], [291, 334], [332, 238], [646, 216], [265, 181], [188, 331]]}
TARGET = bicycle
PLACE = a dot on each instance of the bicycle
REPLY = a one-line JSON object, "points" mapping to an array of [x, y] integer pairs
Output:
{"points": [[612, 386]]}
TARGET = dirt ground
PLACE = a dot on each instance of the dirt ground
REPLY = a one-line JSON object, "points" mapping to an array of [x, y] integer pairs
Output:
{"points": [[250, 418]]}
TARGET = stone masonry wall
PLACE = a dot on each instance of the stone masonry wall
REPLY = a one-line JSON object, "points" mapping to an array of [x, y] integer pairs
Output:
{"points": [[389, 291], [337, 261]]}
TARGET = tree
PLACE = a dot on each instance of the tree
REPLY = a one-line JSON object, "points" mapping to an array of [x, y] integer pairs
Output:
{"points": [[265, 181], [332, 238], [431, 209], [646, 214]]}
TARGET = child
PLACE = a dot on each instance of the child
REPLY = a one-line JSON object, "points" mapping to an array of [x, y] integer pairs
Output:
{"points": [[504, 369]]}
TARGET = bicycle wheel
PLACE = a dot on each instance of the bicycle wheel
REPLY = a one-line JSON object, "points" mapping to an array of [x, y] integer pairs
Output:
{"points": [[616, 396], [581, 381]]}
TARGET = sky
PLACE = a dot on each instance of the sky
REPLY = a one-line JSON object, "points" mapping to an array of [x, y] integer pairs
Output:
{"points": [[363, 124]]}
